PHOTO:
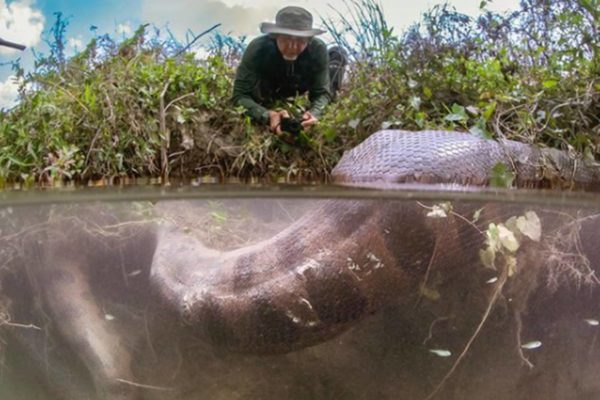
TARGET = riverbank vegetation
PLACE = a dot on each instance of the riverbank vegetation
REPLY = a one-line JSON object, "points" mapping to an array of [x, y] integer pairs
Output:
{"points": [[149, 107]]}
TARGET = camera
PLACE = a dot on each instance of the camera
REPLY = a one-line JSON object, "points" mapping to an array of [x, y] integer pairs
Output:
{"points": [[293, 126]]}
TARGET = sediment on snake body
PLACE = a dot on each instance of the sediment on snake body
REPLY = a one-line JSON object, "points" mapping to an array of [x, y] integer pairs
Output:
{"points": [[341, 262]]}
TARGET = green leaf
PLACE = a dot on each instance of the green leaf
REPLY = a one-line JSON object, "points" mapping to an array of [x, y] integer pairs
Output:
{"points": [[501, 176], [489, 110], [219, 216], [458, 114], [549, 84], [427, 92]]}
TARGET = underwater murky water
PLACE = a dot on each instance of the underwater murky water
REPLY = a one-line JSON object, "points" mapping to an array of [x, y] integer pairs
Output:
{"points": [[223, 292]]}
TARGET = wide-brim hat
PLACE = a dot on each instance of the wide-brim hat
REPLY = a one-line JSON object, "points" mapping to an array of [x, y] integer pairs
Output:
{"points": [[293, 21]]}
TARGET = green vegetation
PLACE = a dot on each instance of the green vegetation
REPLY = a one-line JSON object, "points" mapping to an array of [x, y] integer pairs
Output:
{"points": [[144, 107]]}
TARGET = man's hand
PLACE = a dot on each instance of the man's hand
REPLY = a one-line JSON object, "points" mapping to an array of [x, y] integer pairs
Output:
{"points": [[275, 120], [308, 120]]}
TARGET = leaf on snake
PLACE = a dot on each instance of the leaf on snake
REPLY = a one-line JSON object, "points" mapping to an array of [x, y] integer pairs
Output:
{"points": [[501, 176], [219, 216]]}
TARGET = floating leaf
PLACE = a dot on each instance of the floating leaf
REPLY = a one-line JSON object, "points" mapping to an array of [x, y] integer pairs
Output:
{"points": [[507, 238], [477, 215], [441, 352], [437, 212], [493, 235], [487, 257], [511, 264], [430, 294], [530, 226], [592, 322], [532, 345], [440, 210]]}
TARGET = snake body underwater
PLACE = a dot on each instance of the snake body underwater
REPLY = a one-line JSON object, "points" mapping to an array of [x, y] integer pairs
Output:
{"points": [[338, 264]]}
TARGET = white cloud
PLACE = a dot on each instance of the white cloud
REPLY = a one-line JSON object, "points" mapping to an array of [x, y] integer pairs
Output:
{"points": [[124, 29], [201, 15], [20, 22], [244, 16], [8, 92], [75, 43]]}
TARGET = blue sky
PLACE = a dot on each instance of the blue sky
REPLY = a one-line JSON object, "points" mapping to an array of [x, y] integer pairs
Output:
{"points": [[28, 21]]}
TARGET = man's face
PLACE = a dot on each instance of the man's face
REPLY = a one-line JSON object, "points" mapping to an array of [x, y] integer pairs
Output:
{"points": [[291, 46]]}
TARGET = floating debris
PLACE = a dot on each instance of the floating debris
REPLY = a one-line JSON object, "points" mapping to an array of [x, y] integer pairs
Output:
{"points": [[532, 345], [592, 322], [492, 280], [441, 352], [109, 317]]}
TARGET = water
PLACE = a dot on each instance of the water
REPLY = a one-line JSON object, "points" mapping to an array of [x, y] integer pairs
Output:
{"points": [[340, 293]]}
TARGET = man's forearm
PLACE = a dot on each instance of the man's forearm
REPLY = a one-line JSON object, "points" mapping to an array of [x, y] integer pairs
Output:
{"points": [[318, 105], [253, 109]]}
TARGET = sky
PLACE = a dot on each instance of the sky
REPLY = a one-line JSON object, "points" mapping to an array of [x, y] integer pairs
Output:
{"points": [[28, 21]]}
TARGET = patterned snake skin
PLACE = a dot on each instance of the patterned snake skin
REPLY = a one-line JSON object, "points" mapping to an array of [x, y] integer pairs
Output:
{"points": [[345, 260]]}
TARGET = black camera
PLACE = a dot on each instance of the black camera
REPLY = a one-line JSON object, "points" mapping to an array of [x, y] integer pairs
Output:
{"points": [[293, 126]]}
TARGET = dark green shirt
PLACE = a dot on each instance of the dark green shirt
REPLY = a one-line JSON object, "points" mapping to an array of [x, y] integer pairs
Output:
{"points": [[263, 77]]}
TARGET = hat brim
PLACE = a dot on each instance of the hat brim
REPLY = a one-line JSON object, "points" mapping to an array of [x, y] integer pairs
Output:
{"points": [[268, 27]]}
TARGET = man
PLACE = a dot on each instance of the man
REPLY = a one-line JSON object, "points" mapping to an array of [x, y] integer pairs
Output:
{"points": [[288, 60]]}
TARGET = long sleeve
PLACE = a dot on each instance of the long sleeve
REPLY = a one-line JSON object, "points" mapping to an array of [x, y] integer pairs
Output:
{"points": [[246, 82]]}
